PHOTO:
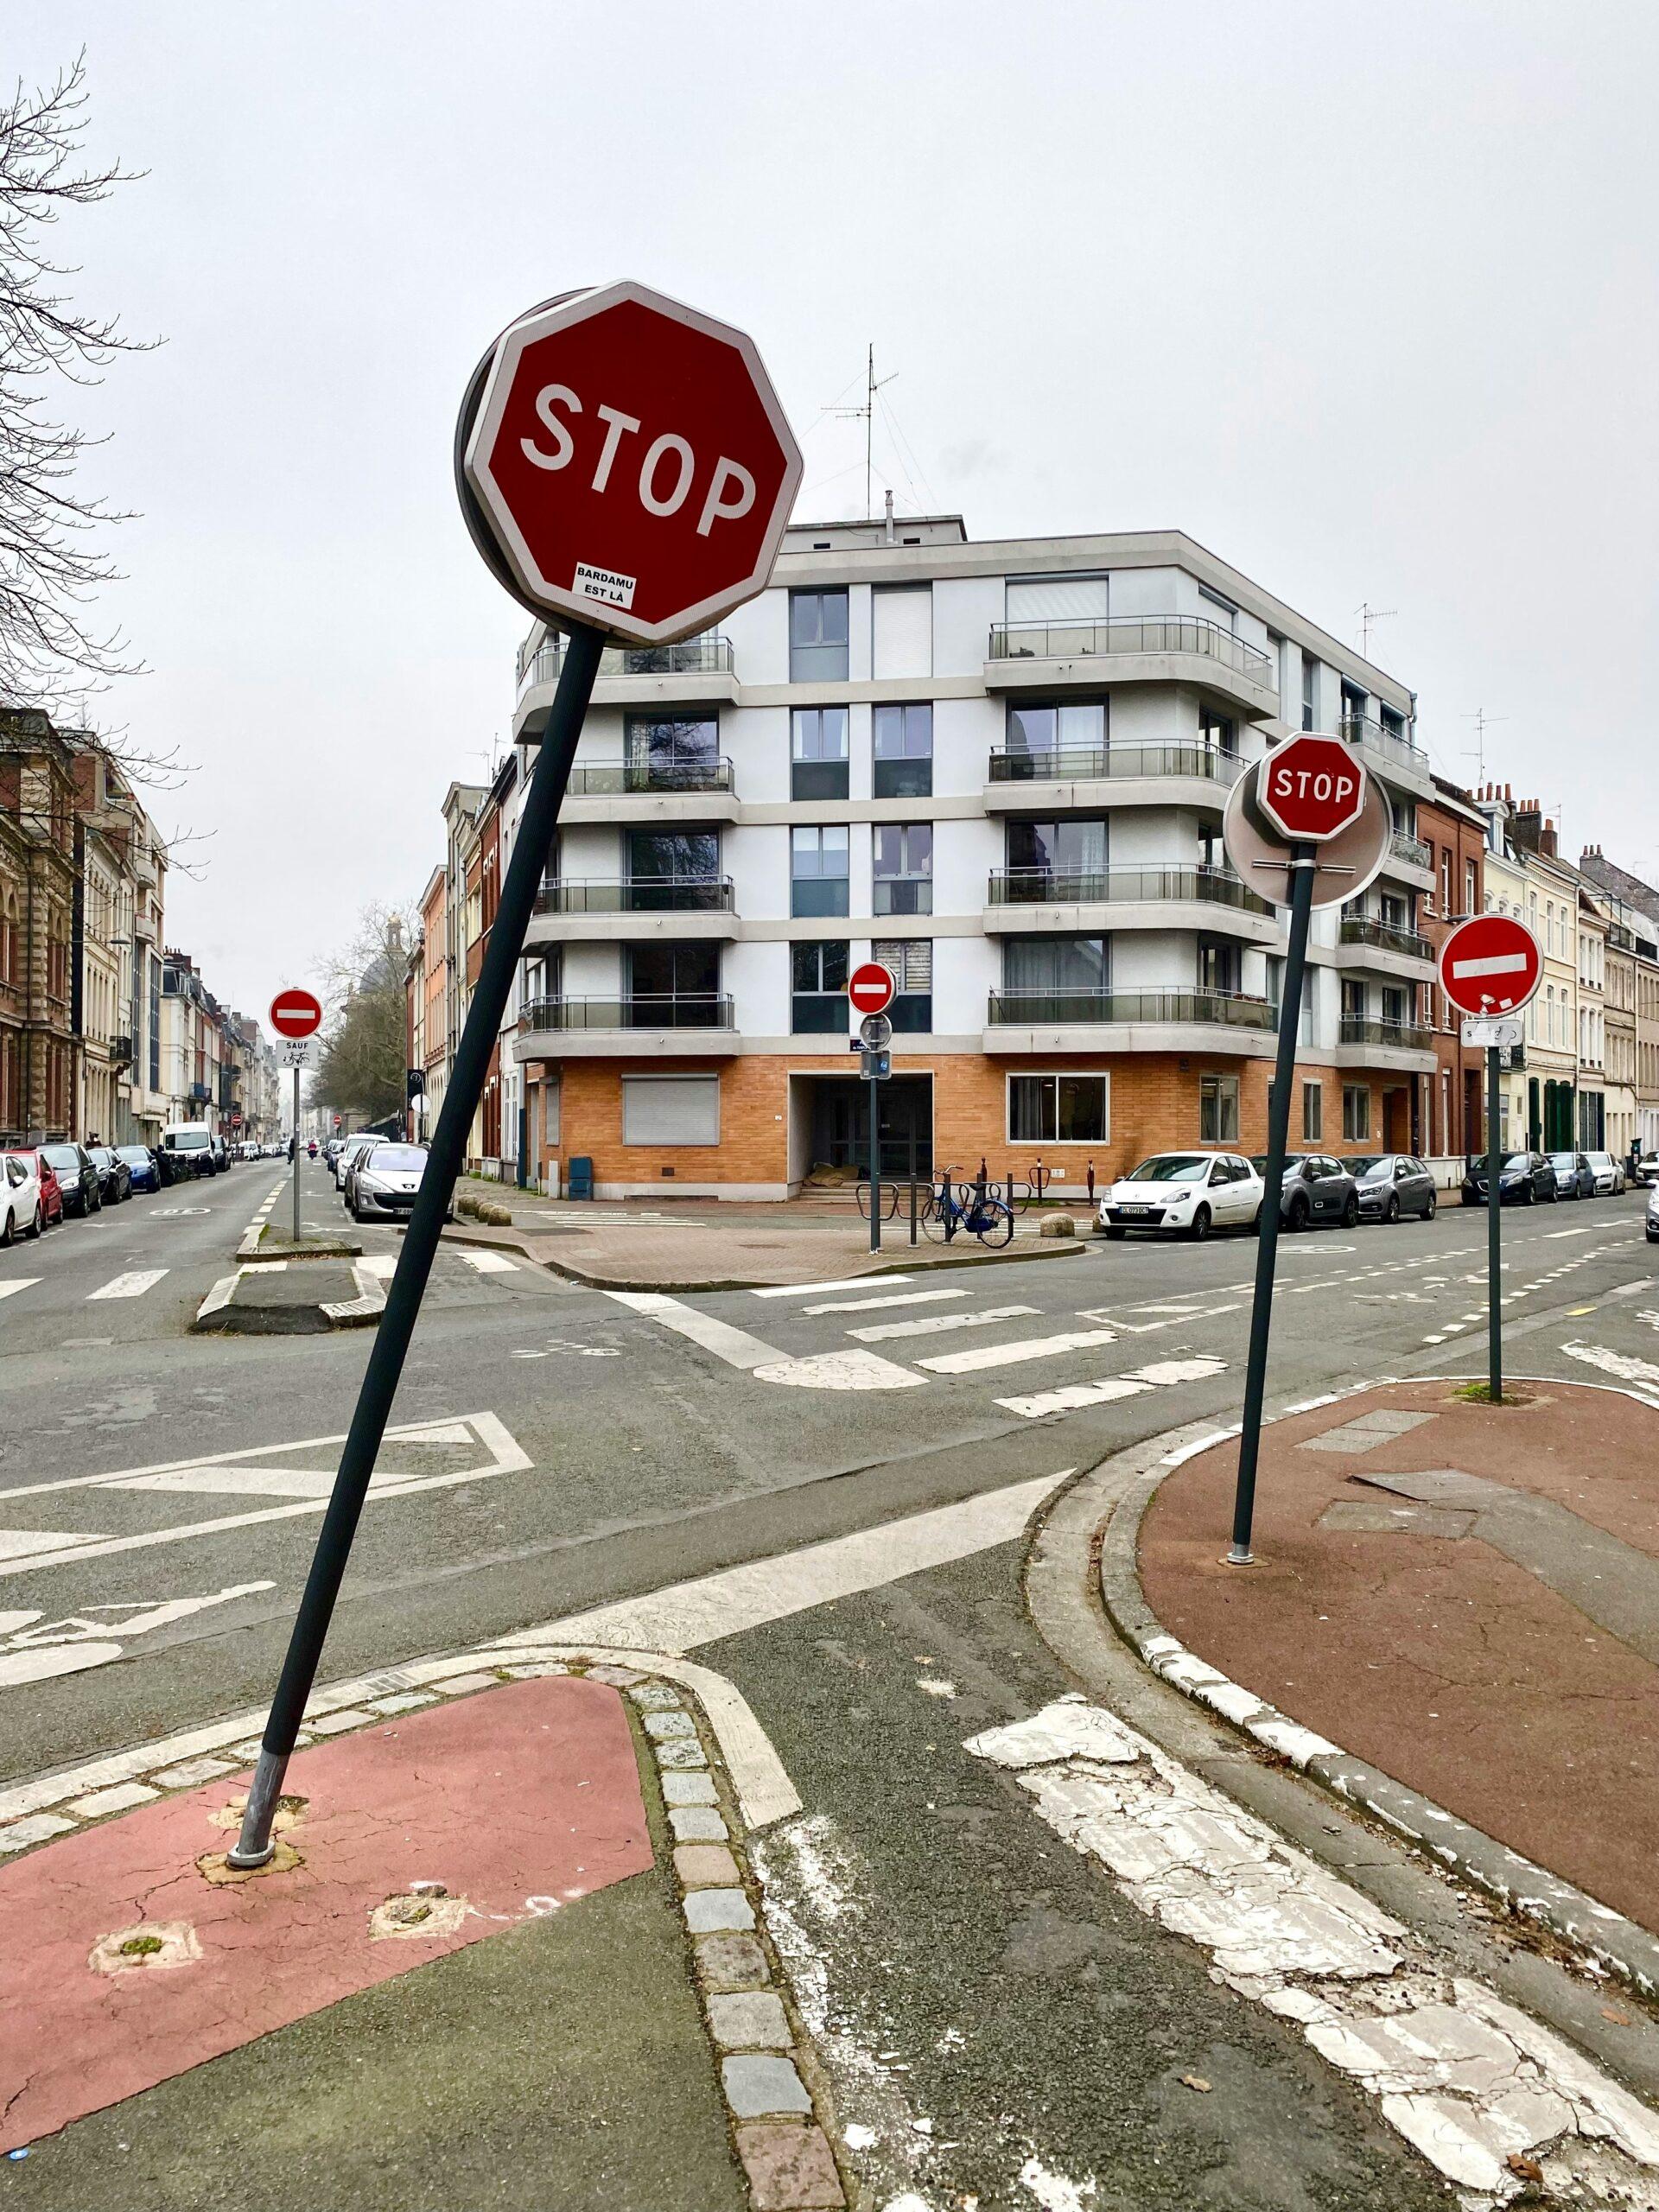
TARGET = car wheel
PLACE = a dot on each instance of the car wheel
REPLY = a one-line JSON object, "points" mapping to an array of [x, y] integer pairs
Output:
{"points": [[1351, 1211], [1296, 1219], [1255, 1223], [36, 1225], [1392, 1213], [1531, 1197], [6, 1227], [1200, 1228], [1430, 1209]]}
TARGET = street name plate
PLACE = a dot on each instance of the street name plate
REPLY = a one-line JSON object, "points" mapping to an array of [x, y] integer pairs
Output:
{"points": [[1492, 1029]]}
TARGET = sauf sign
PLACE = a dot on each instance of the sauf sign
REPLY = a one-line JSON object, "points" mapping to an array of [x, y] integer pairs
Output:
{"points": [[631, 461]]}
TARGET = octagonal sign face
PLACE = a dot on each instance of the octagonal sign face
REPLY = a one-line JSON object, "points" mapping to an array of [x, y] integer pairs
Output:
{"points": [[1311, 788], [631, 463]]}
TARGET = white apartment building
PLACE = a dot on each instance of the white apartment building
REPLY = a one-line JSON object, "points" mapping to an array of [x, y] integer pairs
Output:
{"points": [[999, 768]]}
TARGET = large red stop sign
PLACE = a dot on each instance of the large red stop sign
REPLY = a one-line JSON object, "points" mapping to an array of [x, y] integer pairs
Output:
{"points": [[632, 462], [1311, 787]]}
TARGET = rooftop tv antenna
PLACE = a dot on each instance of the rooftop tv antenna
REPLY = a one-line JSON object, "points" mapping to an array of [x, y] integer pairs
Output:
{"points": [[1369, 616], [1482, 721], [867, 415]]}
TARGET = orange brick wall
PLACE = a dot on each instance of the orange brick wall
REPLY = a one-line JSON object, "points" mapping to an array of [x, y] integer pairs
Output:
{"points": [[1153, 1105]]}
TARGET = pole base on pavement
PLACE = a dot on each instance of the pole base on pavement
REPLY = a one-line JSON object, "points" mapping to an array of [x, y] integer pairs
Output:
{"points": [[254, 1846], [1240, 1556]]}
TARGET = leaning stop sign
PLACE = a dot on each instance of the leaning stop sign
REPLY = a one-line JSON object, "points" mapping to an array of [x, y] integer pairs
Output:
{"points": [[295, 1014], [871, 988], [1311, 788], [1490, 964], [624, 461]]}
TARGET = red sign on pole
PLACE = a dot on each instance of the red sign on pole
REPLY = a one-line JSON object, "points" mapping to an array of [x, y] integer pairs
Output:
{"points": [[630, 463], [871, 988], [1490, 964], [1311, 788], [296, 1014]]}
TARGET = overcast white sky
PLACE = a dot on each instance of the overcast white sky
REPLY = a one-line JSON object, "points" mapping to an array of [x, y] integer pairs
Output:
{"points": [[1363, 296]]}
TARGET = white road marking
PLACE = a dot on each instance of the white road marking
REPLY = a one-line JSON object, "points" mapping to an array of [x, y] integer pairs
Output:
{"points": [[811, 1289], [1013, 1355], [881, 1305], [384, 1264], [490, 1263], [933, 1324], [20, 1543], [132, 1285], [1073, 1396], [1166, 1371], [840, 1371], [736, 1346], [19, 1282], [1628, 1369], [42, 1649]]}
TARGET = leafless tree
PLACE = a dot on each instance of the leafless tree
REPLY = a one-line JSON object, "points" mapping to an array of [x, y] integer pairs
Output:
{"points": [[365, 1045], [52, 560]]}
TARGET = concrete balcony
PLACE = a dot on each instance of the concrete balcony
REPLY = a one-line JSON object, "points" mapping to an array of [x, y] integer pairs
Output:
{"points": [[1409, 861], [1157, 649], [1397, 1046], [1389, 754], [1380, 949], [1027, 901], [636, 1027], [674, 792], [1086, 779], [648, 909], [696, 672], [1129, 1021]]}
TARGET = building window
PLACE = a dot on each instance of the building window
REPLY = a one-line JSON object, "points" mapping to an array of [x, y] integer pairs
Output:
{"points": [[1356, 1113], [1471, 895], [1217, 609], [1059, 600], [1310, 691], [902, 750], [674, 985], [1056, 979], [817, 867], [909, 961], [817, 637], [818, 752], [901, 631], [1074, 730], [1313, 1113], [1445, 885], [670, 1109], [1219, 965], [1219, 1109], [818, 988], [1058, 1109], [658, 855], [1063, 859], [670, 752], [904, 867], [1218, 730]]}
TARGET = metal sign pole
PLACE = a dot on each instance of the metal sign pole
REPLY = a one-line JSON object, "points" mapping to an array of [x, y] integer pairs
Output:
{"points": [[1302, 866], [875, 1090], [543, 800], [297, 1152], [1494, 1216]]}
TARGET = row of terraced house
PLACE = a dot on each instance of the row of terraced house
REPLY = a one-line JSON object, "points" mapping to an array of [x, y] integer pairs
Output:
{"points": [[107, 1033], [1000, 769]]}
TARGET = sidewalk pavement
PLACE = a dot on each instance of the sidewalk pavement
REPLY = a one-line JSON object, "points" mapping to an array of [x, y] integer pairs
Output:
{"points": [[1465, 1597], [713, 1244], [510, 1954]]}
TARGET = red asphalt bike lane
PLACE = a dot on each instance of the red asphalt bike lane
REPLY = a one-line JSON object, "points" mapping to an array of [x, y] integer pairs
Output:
{"points": [[518, 1800]]}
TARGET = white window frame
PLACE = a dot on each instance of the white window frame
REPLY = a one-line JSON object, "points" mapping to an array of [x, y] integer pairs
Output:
{"points": [[1221, 1078], [1350, 1091], [1102, 1076], [1314, 1095]]}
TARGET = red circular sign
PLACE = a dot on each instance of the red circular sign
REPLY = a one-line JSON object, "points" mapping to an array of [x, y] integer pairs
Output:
{"points": [[871, 988], [632, 462], [1490, 964], [295, 1014], [1312, 787]]}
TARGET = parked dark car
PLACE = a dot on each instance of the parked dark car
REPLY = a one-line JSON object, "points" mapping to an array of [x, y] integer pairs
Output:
{"points": [[114, 1176], [1574, 1177], [51, 1189], [1392, 1184], [83, 1190], [142, 1166], [1316, 1188], [1523, 1179]]}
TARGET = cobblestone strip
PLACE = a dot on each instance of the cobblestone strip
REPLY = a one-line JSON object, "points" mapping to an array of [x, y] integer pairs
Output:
{"points": [[719, 1780]]}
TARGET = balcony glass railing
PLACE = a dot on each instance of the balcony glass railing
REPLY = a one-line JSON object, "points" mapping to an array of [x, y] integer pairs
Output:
{"points": [[1226, 1009], [1158, 633], [1080, 763], [1365, 729], [684, 1010], [710, 656], [1404, 1036], [1382, 937], [649, 895], [1044, 886], [1412, 850], [617, 779]]}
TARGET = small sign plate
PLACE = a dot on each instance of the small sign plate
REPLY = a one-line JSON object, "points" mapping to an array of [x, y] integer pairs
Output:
{"points": [[1492, 1029], [877, 1030], [298, 1052]]}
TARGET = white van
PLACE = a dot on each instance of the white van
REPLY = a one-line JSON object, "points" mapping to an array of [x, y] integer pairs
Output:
{"points": [[190, 1147]]}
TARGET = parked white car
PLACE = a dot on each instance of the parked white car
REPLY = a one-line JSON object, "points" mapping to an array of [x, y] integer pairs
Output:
{"points": [[1653, 1213], [1647, 1168], [1184, 1194], [350, 1150], [20, 1210], [1609, 1176]]}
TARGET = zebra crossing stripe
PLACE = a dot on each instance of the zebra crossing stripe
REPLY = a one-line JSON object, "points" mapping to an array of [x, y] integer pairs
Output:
{"points": [[932, 1324], [133, 1284], [1012, 1355]]}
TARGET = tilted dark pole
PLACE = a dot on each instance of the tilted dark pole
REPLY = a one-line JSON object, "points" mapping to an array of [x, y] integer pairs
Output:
{"points": [[536, 823], [1267, 1250], [875, 1090], [1494, 1238]]}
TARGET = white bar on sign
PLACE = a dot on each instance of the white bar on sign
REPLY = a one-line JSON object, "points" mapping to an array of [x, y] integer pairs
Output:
{"points": [[1496, 963]]}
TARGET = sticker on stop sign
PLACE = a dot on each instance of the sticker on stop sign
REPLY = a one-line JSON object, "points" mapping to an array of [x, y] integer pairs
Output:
{"points": [[1311, 788], [624, 461]]}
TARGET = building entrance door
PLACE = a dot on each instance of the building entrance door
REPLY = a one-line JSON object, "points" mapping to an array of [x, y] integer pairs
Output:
{"points": [[839, 1124]]}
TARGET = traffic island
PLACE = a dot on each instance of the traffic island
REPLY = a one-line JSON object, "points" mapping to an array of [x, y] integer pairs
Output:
{"points": [[263, 1242], [1453, 1620], [308, 1295], [500, 1869]]}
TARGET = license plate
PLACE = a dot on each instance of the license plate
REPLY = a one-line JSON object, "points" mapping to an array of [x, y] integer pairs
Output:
{"points": [[1134, 1210]]}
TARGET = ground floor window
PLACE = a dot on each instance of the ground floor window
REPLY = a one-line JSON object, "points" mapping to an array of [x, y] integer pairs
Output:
{"points": [[1058, 1109], [1356, 1113], [670, 1109], [1313, 1113], [1219, 1109]]}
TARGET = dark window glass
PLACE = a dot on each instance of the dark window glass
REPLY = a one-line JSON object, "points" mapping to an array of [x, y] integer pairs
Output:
{"points": [[818, 987], [817, 636], [817, 867], [1056, 964], [663, 744], [674, 971], [673, 852]]}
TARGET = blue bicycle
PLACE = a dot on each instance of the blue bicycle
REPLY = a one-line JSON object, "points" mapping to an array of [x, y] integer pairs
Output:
{"points": [[966, 1205]]}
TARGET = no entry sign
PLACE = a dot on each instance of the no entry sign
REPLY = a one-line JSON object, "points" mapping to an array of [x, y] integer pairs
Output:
{"points": [[1490, 964], [630, 462], [1311, 788], [871, 988], [295, 1014]]}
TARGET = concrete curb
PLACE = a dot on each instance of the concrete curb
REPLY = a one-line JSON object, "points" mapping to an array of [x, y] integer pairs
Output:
{"points": [[253, 1247], [1595, 1931], [218, 1313], [591, 1279]]}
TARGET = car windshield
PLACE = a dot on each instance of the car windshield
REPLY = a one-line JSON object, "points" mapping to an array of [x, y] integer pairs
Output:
{"points": [[61, 1155], [134, 1154], [397, 1159], [1522, 1160], [1171, 1167], [186, 1141], [100, 1153], [1370, 1166], [1563, 1159]]}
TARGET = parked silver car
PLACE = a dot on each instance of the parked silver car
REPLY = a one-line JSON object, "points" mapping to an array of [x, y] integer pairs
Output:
{"points": [[387, 1181]]}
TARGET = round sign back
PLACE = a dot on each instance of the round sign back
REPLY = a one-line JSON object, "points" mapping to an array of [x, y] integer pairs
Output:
{"points": [[1342, 865]]}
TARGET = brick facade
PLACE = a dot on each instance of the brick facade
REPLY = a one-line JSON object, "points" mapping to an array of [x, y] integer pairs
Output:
{"points": [[1456, 833]]}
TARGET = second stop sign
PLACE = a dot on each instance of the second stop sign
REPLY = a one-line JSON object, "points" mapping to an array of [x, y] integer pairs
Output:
{"points": [[631, 462]]}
